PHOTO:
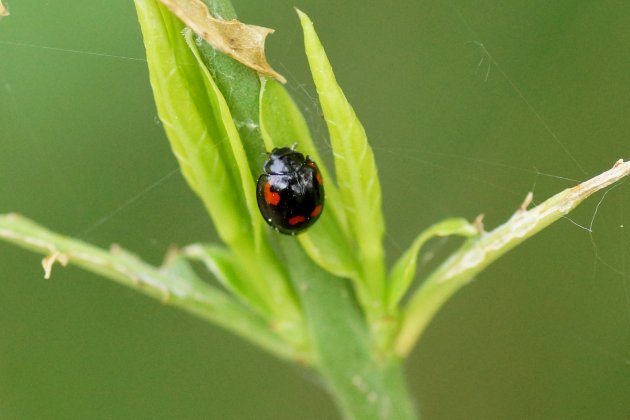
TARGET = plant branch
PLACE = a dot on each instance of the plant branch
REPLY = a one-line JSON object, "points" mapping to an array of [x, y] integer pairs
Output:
{"points": [[363, 384], [186, 292], [478, 253]]}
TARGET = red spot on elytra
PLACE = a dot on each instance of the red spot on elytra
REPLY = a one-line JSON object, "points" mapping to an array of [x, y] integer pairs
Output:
{"points": [[271, 198], [296, 219], [316, 210], [318, 176]]}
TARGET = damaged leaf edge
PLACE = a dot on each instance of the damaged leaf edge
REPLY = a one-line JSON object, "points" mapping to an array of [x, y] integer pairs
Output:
{"points": [[244, 43]]}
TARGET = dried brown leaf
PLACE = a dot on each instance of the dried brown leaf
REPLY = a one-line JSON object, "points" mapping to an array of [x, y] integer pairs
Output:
{"points": [[244, 43], [3, 10]]}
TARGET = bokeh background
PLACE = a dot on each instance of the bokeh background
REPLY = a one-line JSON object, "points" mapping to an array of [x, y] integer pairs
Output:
{"points": [[468, 105]]}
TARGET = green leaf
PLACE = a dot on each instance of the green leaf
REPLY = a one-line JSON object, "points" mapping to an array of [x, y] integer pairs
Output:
{"points": [[282, 124], [404, 269], [240, 86], [478, 253], [354, 165], [225, 268], [195, 131], [222, 113]]}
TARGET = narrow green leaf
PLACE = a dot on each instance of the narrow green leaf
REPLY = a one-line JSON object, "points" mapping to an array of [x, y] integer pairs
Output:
{"points": [[195, 131], [282, 125], [478, 253], [225, 268], [240, 86], [404, 269], [222, 113], [354, 164]]}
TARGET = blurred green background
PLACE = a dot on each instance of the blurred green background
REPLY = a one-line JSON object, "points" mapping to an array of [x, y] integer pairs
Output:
{"points": [[544, 333]]}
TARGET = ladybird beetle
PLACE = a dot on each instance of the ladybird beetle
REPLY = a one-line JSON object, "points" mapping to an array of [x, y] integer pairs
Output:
{"points": [[290, 192]]}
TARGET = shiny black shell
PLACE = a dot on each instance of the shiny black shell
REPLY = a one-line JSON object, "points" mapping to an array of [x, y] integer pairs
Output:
{"points": [[290, 192]]}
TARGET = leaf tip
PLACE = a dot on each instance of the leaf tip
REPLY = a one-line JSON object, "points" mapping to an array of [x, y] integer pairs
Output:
{"points": [[304, 19]]}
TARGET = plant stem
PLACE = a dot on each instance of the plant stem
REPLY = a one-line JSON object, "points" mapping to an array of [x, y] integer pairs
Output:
{"points": [[185, 292], [363, 386]]}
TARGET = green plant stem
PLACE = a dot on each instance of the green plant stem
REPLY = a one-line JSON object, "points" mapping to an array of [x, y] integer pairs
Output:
{"points": [[187, 293], [477, 254], [363, 385]]}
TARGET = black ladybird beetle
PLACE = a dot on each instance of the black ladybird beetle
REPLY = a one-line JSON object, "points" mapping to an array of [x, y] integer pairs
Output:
{"points": [[290, 192]]}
